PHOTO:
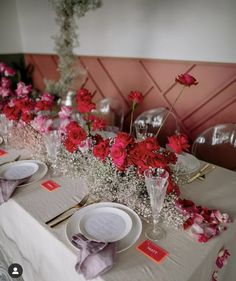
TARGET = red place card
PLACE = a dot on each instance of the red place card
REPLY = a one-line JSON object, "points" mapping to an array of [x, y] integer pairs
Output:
{"points": [[152, 251], [50, 185], [2, 152]]}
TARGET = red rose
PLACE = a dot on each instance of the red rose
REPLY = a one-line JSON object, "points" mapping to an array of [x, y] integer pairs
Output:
{"points": [[70, 146], [97, 123], [24, 104], [118, 155], [101, 150], [84, 101], [43, 105], [186, 80], [75, 133], [151, 144], [27, 116], [135, 97], [123, 139], [155, 162], [178, 143], [138, 158], [12, 113]]}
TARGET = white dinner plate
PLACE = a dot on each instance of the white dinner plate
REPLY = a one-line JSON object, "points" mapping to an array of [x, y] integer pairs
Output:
{"points": [[19, 170], [39, 174], [106, 224], [10, 156], [187, 163], [73, 225]]}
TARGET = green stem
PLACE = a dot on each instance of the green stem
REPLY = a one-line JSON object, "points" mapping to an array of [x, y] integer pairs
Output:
{"points": [[132, 118], [169, 112]]}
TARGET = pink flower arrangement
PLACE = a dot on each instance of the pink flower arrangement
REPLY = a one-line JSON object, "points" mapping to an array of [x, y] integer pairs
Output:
{"points": [[42, 124]]}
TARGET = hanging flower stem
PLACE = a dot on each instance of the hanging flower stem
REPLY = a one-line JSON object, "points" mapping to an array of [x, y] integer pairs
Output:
{"points": [[170, 110], [132, 118]]}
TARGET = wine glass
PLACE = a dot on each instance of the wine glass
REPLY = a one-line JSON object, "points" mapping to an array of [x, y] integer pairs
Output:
{"points": [[156, 180]]}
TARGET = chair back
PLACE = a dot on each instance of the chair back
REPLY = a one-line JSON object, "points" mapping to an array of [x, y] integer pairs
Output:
{"points": [[217, 145], [153, 118], [112, 110]]}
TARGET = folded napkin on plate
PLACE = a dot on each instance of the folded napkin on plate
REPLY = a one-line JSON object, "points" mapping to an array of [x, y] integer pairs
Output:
{"points": [[95, 258], [7, 187]]}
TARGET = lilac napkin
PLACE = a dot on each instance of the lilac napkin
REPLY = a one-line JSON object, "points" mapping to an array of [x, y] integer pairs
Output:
{"points": [[7, 187], [95, 258]]}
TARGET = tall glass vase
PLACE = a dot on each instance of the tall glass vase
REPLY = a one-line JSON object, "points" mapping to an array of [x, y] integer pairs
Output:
{"points": [[156, 180]]}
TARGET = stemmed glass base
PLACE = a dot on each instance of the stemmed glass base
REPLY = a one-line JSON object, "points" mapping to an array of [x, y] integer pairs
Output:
{"points": [[156, 233]]}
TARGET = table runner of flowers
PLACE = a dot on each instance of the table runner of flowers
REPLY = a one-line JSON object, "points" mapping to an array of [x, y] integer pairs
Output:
{"points": [[112, 167]]}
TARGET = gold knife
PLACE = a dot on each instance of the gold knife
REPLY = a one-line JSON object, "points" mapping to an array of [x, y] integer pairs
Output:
{"points": [[73, 210], [200, 173], [80, 204]]}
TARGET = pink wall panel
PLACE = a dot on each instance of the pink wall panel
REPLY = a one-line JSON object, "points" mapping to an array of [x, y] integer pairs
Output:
{"points": [[212, 101]]}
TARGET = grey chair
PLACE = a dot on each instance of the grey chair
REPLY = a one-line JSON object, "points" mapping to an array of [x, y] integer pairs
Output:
{"points": [[217, 145]]}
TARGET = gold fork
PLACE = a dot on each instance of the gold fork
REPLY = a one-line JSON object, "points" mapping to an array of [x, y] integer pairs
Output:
{"points": [[89, 201], [78, 205]]}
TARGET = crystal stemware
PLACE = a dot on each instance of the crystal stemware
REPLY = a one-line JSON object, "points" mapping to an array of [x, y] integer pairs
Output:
{"points": [[156, 180], [4, 126], [52, 141]]}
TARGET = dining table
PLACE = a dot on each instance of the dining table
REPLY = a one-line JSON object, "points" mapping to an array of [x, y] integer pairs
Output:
{"points": [[46, 254]]}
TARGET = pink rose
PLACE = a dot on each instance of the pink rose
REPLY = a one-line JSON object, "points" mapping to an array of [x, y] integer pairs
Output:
{"points": [[5, 92], [5, 82], [65, 112], [42, 124], [23, 90], [118, 155], [48, 98], [9, 71]]}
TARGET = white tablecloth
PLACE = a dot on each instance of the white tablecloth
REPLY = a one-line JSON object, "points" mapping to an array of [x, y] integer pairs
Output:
{"points": [[46, 255]]}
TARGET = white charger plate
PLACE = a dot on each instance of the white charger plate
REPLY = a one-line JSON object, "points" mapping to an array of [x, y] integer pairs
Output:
{"points": [[106, 224], [39, 174], [73, 225], [187, 163], [19, 170]]}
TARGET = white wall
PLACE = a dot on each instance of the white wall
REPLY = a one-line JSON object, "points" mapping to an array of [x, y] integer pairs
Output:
{"points": [[201, 30], [10, 39]]}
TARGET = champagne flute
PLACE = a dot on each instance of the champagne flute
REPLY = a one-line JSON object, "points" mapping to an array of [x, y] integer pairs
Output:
{"points": [[52, 141], [4, 126], [156, 180]]}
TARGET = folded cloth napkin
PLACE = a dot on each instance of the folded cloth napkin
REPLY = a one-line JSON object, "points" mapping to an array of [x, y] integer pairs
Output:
{"points": [[7, 187], [95, 258]]}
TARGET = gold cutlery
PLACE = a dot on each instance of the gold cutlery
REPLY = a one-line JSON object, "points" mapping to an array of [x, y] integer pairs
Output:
{"points": [[202, 172], [80, 204], [88, 202]]}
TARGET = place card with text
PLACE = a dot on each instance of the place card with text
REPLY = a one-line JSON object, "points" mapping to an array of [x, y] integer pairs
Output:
{"points": [[152, 251], [2, 152], [50, 185]]}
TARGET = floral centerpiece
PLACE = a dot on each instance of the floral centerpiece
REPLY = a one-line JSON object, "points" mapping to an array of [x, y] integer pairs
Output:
{"points": [[112, 167]]}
